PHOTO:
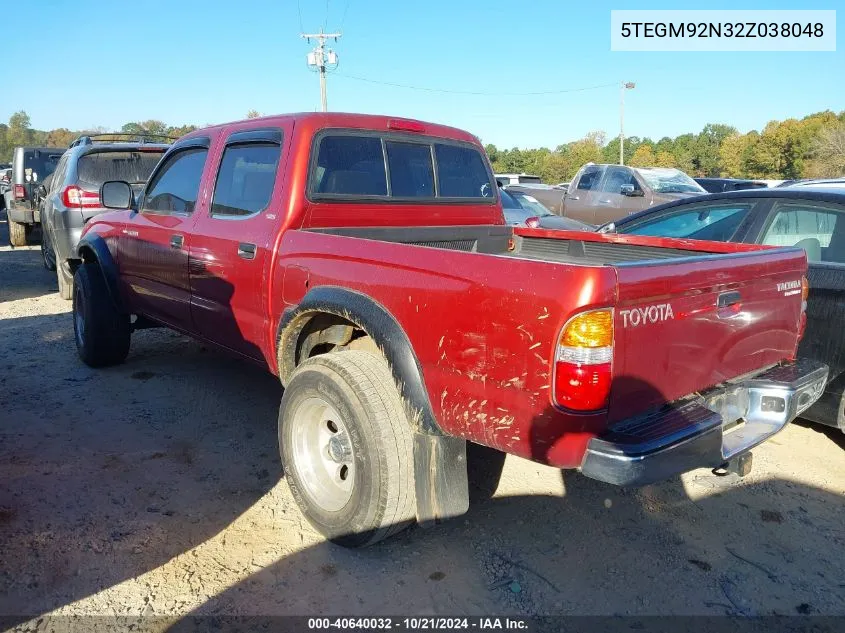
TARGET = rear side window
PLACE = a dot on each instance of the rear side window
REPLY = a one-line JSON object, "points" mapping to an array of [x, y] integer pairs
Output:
{"points": [[411, 170], [819, 230], [176, 185], [368, 166], [351, 165], [245, 179], [590, 177], [95, 168]]}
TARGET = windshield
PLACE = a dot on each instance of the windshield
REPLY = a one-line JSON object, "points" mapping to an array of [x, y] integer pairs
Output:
{"points": [[667, 180], [530, 203]]}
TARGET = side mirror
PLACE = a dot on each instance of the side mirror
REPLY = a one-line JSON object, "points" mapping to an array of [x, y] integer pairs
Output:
{"points": [[116, 194], [630, 191]]}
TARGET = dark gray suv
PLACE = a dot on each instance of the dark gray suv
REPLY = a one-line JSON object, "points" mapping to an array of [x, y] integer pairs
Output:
{"points": [[30, 166], [73, 196]]}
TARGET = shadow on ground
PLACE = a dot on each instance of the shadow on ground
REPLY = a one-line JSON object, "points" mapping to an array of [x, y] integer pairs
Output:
{"points": [[22, 272]]}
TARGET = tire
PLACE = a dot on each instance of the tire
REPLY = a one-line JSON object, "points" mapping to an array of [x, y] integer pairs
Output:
{"points": [[348, 398], [65, 283], [48, 256], [17, 233], [100, 330]]}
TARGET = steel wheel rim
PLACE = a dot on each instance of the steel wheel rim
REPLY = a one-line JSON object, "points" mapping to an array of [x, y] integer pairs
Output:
{"points": [[323, 457], [79, 316]]}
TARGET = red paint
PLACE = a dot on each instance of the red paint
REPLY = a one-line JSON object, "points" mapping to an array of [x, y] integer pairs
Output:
{"points": [[484, 328]]}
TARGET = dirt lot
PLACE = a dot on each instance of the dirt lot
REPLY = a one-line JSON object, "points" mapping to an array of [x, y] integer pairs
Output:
{"points": [[155, 488]]}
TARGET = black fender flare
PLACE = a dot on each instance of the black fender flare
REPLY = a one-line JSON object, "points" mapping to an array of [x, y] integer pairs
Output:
{"points": [[381, 326], [93, 248]]}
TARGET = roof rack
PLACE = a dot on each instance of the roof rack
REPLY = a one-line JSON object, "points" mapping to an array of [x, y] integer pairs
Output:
{"points": [[122, 137]]}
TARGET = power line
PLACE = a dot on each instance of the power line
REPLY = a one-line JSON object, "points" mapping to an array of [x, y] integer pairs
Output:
{"points": [[476, 93], [326, 20], [343, 19], [299, 8]]}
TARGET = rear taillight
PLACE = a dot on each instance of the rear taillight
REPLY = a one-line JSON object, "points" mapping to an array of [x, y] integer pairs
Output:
{"points": [[584, 361], [533, 222], [74, 197], [20, 192], [805, 293]]}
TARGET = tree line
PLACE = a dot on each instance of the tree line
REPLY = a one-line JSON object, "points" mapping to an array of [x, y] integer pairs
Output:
{"points": [[812, 147], [19, 131]]}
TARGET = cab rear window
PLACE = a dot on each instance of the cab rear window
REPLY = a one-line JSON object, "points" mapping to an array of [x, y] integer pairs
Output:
{"points": [[395, 167], [95, 168]]}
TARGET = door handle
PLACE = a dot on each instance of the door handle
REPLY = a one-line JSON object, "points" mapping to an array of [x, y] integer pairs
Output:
{"points": [[574, 198], [246, 250], [604, 201], [176, 241]]}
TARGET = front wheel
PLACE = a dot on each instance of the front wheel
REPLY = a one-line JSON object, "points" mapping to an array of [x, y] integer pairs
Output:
{"points": [[346, 446], [101, 331]]}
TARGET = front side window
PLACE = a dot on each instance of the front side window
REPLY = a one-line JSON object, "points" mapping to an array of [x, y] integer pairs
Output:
{"points": [[817, 229], [245, 179], [713, 222], [616, 177], [350, 165], [177, 184]]}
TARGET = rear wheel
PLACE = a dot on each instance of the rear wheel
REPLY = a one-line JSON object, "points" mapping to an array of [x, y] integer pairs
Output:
{"points": [[17, 233], [101, 331], [346, 446]]}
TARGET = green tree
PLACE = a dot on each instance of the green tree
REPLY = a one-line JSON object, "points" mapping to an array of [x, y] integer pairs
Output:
{"points": [[253, 114], [643, 157], [827, 156], [60, 137], [20, 131]]}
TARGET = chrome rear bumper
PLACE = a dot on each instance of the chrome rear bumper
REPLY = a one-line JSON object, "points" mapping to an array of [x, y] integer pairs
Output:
{"points": [[705, 430]]}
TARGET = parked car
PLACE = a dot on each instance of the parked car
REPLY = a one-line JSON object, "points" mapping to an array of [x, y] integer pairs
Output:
{"points": [[823, 183], [549, 196], [810, 217], [604, 193], [520, 209], [719, 185], [74, 197], [518, 179], [30, 165], [365, 261]]}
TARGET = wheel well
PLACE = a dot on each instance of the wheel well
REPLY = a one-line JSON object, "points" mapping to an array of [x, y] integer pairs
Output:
{"points": [[324, 333]]}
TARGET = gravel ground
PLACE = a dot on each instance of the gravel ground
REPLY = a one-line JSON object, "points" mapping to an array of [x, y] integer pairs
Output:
{"points": [[155, 488]]}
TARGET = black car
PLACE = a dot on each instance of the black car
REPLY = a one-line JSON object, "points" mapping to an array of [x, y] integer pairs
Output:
{"points": [[812, 218], [721, 185]]}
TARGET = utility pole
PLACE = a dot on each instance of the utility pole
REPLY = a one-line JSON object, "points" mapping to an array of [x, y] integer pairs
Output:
{"points": [[320, 58], [629, 85]]}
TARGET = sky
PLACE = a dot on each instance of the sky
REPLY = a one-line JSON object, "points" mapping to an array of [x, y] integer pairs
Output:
{"points": [[94, 63]]}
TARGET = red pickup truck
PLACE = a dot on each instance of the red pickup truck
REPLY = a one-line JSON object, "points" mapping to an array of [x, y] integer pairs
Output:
{"points": [[365, 261]]}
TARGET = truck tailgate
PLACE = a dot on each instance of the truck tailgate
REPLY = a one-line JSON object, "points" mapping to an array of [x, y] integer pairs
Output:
{"points": [[688, 324]]}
